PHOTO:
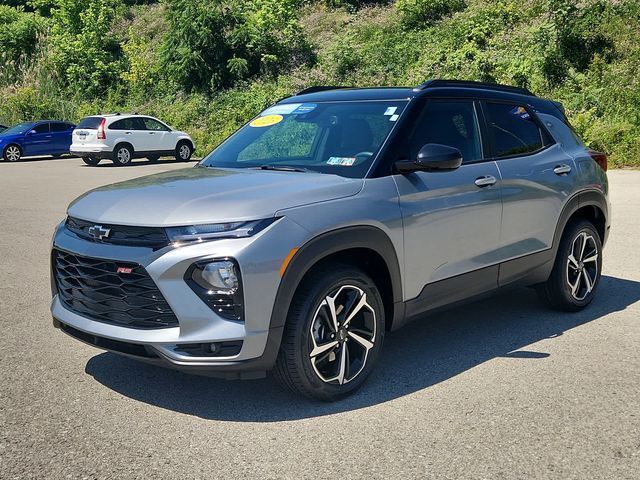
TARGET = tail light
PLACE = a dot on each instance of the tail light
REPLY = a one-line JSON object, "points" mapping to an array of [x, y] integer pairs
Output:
{"points": [[600, 158], [102, 135]]}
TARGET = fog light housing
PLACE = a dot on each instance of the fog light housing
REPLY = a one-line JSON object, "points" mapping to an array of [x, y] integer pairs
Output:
{"points": [[218, 283], [220, 276]]}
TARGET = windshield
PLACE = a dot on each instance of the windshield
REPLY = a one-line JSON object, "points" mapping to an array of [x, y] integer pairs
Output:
{"points": [[333, 137], [18, 129]]}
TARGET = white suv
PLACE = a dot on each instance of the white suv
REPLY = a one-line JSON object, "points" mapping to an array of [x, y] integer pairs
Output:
{"points": [[121, 138]]}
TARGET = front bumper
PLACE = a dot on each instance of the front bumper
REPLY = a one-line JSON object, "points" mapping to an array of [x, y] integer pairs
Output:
{"points": [[259, 258]]}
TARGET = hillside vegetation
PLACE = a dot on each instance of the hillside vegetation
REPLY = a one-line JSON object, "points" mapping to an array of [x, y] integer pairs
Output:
{"points": [[207, 66]]}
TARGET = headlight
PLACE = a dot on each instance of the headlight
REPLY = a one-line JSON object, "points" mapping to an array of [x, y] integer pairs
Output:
{"points": [[218, 284], [202, 233]]}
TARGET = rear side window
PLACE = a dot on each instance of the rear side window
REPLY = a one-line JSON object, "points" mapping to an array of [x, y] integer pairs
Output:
{"points": [[132, 123], [514, 131], [92, 123], [42, 128], [59, 127]]}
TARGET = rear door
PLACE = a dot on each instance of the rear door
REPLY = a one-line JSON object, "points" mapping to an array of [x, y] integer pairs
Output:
{"points": [[537, 177], [451, 218], [60, 137], [37, 141]]}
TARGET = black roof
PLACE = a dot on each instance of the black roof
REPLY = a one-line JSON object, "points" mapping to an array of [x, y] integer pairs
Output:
{"points": [[430, 88]]}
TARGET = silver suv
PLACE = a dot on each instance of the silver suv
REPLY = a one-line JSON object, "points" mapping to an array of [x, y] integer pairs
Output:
{"points": [[333, 217]]}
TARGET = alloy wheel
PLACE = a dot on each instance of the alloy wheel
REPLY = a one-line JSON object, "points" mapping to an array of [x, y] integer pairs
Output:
{"points": [[343, 332], [12, 153], [124, 156], [184, 152], [582, 265]]}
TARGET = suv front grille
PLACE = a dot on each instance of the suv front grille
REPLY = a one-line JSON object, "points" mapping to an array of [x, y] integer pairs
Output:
{"points": [[152, 237], [112, 292]]}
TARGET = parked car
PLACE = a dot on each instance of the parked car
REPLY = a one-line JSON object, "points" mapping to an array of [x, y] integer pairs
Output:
{"points": [[30, 139], [333, 217], [121, 138]]}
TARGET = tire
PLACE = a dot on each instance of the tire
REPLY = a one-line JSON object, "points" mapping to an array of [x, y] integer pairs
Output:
{"points": [[184, 150], [573, 281], [12, 153], [92, 161], [122, 155], [153, 158], [310, 327]]}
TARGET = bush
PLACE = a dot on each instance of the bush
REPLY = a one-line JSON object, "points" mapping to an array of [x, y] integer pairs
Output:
{"points": [[419, 12], [212, 45], [19, 31]]}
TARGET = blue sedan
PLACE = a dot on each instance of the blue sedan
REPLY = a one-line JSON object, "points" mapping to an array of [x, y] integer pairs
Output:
{"points": [[46, 137]]}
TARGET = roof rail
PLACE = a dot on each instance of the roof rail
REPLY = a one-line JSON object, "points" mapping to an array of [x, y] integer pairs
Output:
{"points": [[472, 84], [319, 88]]}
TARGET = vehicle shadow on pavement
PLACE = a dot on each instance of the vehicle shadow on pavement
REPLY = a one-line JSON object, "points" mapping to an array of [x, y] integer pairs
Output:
{"points": [[424, 353], [139, 162]]}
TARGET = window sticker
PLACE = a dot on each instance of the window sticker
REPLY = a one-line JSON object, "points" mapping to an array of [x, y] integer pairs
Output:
{"points": [[521, 112], [390, 110], [305, 108], [281, 109], [266, 121], [341, 161], [394, 117]]}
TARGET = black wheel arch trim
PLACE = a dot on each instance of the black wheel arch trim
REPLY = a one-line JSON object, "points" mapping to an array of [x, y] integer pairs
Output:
{"points": [[583, 198], [323, 246]]}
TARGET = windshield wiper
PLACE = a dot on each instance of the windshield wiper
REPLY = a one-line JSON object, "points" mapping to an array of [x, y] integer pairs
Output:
{"points": [[283, 168]]}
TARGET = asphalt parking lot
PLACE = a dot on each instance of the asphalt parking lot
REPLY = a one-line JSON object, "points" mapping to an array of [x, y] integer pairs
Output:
{"points": [[497, 389]]}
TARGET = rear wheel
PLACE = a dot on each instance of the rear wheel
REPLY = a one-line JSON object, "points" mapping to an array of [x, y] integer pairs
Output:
{"points": [[576, 271], [93, 161], [333, 334], [122, 155], [12, 153], [184, 151]]}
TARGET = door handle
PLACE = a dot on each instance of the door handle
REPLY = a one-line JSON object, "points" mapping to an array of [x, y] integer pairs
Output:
{"points": [[152, 133], [485, 181], [127, 133], [562, 169]]}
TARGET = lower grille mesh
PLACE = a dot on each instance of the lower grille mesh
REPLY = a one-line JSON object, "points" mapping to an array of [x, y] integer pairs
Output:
{"points": [[117, 293]]}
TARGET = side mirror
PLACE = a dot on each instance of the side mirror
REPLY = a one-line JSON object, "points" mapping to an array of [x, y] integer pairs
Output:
{"points": [[432, 157], [31, 132]]}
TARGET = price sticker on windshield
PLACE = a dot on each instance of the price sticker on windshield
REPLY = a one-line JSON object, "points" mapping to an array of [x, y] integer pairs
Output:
{"points": [[266, 121]]}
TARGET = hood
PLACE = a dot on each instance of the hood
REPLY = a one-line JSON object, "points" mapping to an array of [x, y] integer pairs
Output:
{"points": [[207, 195]]}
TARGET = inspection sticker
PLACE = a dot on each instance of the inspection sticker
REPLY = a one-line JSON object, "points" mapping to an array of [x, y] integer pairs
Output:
{"points": [[390, 110], [305, 108], [342, 161], [393, 118], [266, 121]]}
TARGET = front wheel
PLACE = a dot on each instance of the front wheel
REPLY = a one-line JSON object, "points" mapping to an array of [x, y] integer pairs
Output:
{"points": [[92, 161], [333, 335], [576, 271], [12, 153], [183, 151]]}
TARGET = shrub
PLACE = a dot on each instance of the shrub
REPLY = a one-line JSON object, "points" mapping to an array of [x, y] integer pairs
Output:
{"points": [[419, 12], [19, 31]]}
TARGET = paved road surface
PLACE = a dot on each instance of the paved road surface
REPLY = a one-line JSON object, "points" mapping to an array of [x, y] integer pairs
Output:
{"points": [[497, 389]]}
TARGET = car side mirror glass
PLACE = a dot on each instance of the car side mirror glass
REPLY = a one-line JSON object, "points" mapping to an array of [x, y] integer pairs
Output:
{"points": [[31, 132], [432, 157]]}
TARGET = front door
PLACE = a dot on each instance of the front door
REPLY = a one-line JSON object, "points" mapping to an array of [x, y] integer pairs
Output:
{"points": [[451, 218], [157, 136], [38, 140]]}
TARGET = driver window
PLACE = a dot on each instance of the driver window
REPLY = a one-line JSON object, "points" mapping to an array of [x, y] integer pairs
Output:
{"points": [[451, 123], [151, 124], [42, 128]]}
